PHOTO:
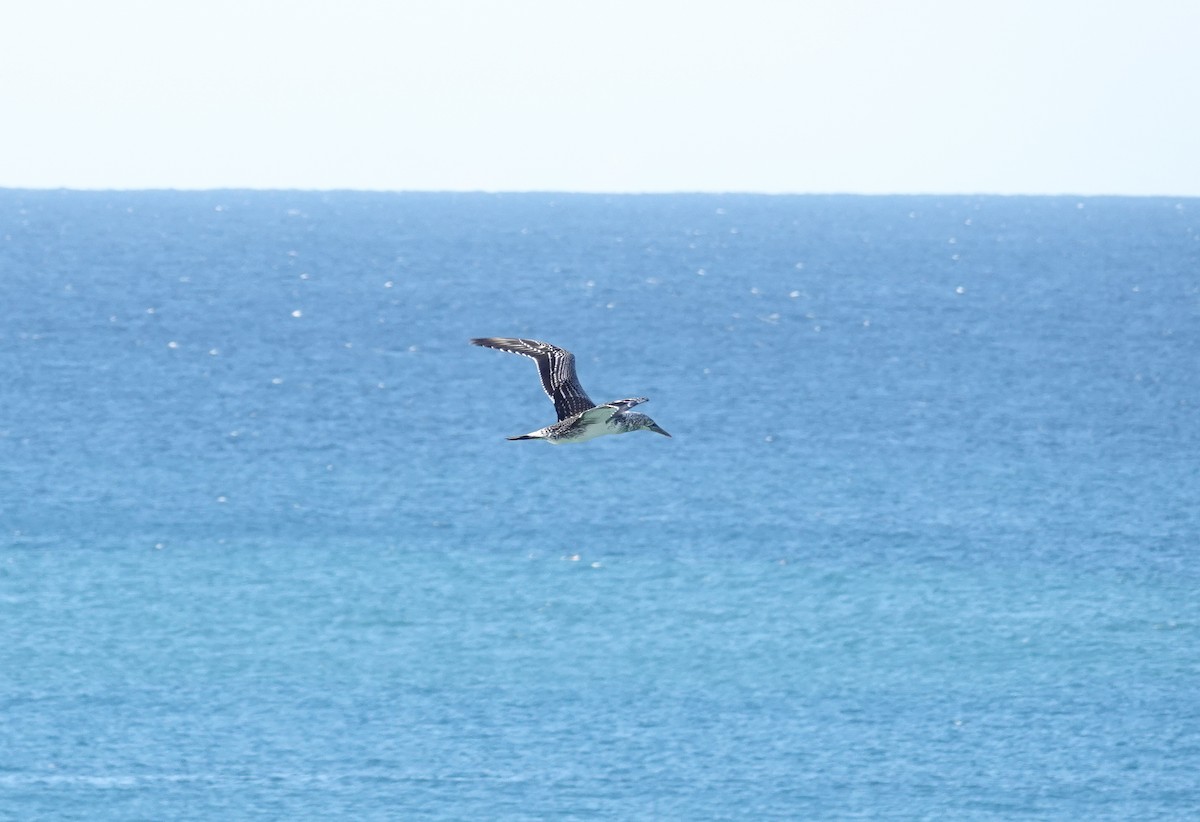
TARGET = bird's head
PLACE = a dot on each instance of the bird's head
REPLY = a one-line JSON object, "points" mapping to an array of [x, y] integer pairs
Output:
{"points": [[637, 422]]}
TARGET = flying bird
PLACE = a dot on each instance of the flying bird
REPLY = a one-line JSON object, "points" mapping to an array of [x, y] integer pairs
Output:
{"points": [[579, 419]]}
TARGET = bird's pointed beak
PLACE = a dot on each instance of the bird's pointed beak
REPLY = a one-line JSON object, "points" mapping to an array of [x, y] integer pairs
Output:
{"points": [[657, 430]]}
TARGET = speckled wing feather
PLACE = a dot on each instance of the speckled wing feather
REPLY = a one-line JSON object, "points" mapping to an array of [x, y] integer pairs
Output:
{"points": [[556, 367], [621, 406]]}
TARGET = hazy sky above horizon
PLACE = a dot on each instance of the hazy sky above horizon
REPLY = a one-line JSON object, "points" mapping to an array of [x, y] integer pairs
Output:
{"points": [[934, 96]]}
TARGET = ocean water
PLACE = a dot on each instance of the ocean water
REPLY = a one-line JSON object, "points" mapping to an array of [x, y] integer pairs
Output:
{"points": [[923, 544]]}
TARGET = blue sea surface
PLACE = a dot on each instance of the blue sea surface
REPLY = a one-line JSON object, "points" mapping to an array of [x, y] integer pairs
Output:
{"points": [[923, 544]]}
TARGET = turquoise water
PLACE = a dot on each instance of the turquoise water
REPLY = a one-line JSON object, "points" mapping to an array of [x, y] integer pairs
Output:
{"points": [[922, 545]]}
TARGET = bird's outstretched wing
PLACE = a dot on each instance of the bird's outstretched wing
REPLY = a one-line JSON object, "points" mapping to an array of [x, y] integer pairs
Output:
{"points": [[621, 406], [556, 367]]}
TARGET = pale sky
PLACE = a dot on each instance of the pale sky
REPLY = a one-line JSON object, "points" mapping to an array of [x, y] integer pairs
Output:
{"points": [[925, 96]]}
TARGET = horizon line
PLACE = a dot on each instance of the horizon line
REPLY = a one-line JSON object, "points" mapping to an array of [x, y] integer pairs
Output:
{"points": [[579, 192]]}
